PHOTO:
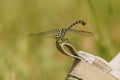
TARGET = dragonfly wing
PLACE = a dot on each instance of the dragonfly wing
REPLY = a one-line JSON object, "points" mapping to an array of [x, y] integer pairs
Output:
{"points": [[44, 33], [82, 32]]}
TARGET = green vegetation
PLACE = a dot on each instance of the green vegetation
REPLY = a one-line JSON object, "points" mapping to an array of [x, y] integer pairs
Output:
{"points": [[36, 58]]}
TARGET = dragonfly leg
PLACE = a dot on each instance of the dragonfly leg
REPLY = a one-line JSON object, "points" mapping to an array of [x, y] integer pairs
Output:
{"points": [[67, 40]]}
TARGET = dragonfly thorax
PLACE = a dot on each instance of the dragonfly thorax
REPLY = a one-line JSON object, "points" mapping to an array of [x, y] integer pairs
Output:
{"points": [[60, 35]]}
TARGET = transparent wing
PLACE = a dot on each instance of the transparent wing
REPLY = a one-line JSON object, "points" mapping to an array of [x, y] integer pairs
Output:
{"points": [[44, 33], [52, 32], [81, 32]]}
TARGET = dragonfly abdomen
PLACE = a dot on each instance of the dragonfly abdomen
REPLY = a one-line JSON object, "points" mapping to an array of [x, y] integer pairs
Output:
{"points": [[76, 22]]}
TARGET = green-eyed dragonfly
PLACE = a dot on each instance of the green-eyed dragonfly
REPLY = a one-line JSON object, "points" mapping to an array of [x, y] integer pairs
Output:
{"points": [[60, 35]]}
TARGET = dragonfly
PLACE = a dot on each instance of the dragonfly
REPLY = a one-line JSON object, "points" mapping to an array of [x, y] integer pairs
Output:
{"points": [[60, 33]]}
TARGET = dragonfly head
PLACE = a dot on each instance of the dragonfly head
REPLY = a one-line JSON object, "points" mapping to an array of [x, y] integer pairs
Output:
{"points": [[60, 35], [57, 37]]}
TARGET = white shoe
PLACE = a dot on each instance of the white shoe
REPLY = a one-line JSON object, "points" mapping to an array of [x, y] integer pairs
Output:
{"points": [[89, 67]]}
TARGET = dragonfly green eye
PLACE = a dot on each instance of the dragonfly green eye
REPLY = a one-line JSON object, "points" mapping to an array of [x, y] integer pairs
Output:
{"points": [[56, 36]]}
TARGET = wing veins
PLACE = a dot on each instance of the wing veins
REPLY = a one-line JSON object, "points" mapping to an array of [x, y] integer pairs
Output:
{"points": [[82, 32], [44, 33]]}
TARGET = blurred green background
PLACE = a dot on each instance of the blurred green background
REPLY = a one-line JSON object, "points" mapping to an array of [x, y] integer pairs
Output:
{"points": [[36, 58]]}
